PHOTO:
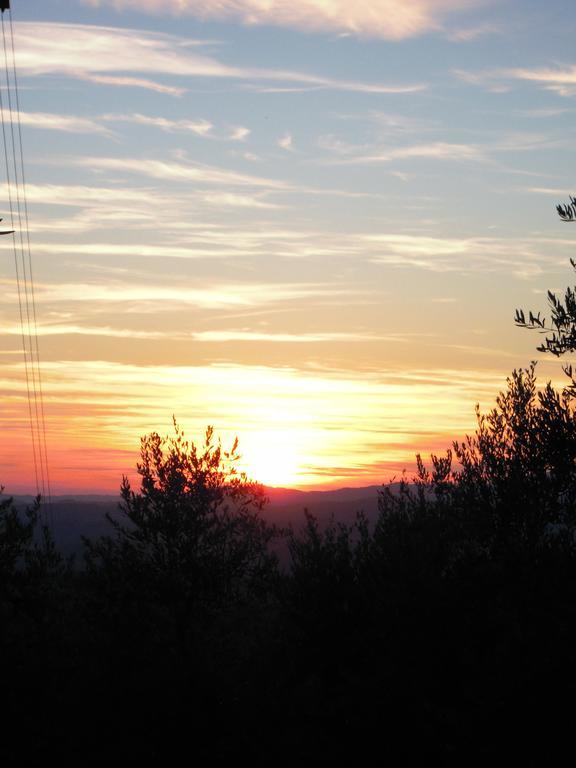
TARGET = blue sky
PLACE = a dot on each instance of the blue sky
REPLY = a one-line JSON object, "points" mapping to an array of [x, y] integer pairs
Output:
{"points": [[308, 223]]}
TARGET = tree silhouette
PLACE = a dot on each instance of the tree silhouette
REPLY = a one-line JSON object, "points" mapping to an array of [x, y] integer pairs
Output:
{"points": [[562, 325], [16, 534], [194, 529], [27, 547], [519, 469]]}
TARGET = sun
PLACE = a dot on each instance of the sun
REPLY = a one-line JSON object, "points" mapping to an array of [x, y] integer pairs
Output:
{"points": [[273, 458]]}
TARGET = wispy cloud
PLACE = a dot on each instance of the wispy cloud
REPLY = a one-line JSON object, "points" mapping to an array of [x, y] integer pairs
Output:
{"points": [[97, 124], [560, 79], [389, 19], [556, 191], [104, 207], [76, 49], [464, 35], [280, 88], [66, 123], [521, 257], [198, 127], [290, 338], [195, 250], [345, 153], [545, 113], [45, 329], [438, 150], [285, 142], [182, 172], [83, 195], [239, 133], [119, 81], [215, 297], [127, 57], [396, 123], [317, 82], [210, 337], [233, 200]]}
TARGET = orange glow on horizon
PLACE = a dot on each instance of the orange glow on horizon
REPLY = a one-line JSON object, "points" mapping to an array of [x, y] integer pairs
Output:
{"points": [[295, 429]]}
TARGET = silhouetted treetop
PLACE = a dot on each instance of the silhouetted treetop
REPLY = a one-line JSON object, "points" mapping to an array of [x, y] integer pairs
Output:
{"points": [[194, 526], [561, 328], [516, 476]]}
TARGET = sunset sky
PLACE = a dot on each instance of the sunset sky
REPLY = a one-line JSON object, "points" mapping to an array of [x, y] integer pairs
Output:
{"points": [[305, 222]]}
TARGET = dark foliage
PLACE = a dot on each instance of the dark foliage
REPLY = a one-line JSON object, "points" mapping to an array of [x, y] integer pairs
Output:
{"points": [[16, 533], [27, 549], [194, 529], [567, 212], [445, 628], [443, 634], [561, 328]]}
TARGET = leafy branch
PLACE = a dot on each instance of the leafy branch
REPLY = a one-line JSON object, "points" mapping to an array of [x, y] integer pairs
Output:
{"points": [[562, 325]]}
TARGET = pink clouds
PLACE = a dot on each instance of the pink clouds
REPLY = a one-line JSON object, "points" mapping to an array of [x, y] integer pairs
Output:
{"points": [[389, 19]]}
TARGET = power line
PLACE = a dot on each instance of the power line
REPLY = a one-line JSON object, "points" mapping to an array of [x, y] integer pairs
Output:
{"points": [[19, 219], [29, 252]]}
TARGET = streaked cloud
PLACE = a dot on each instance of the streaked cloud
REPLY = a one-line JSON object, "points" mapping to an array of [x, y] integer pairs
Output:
{"points": [[438, 150], [219, 296], [103, 207], [194, 250], [388, 19], [519, 257], [44, 329], [129, 82], [466, 34], [433, 151], [555, 191], [167, 170], [212, 337], [560, 79], [107, 54], [81, 195], [527, 256], [78, 49], [66, 123], [197, 127], [234, 200], [290, 338]]}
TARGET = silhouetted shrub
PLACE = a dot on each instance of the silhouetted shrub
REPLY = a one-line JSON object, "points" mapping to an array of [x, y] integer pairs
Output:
{"points": [[441, 632], [515, 485], [16, 534], [440, 613], [194, 531]]}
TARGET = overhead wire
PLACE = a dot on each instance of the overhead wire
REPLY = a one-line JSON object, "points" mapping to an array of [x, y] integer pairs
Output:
{"points": [[48, 489], [23, 330], [19, 217]]}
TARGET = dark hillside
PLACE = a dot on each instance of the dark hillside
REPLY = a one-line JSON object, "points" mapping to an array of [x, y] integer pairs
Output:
{"points": [[85, 515]]}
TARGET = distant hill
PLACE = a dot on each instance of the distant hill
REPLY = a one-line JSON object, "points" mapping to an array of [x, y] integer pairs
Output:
{"points": [[85, 515], [287, 506]]}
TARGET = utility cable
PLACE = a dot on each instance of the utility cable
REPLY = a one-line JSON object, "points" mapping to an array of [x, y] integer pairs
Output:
{"points": [[40, 393], [19, 217]]}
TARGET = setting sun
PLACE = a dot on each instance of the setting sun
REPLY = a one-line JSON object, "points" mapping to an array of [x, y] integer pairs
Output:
{"points": [[273, 458]]}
